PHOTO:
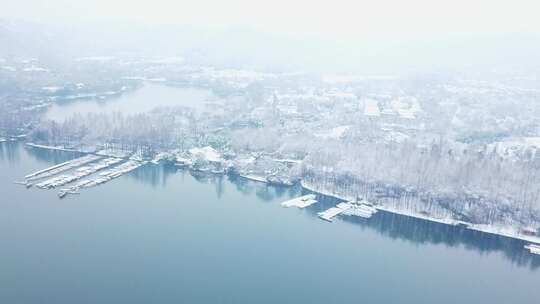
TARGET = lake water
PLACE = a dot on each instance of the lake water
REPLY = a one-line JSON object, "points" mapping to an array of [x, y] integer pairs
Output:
{"points": [[144, 99], [159, 235]]}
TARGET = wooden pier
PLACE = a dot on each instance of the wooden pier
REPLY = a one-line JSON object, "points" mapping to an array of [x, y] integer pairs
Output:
{"points": [[80, 173], [56, 169]]}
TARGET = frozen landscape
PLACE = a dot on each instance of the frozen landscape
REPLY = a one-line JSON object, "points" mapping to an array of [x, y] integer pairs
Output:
{"points": [[411, 150], [161, 232], [386, 116]]}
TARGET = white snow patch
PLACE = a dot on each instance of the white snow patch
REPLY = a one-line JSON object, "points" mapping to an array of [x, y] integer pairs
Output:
{"points": [[335, 133], [167, 60], [9, 68], [51, 89], [35, 69], [95, 58], [371, 108], [208, 153]]}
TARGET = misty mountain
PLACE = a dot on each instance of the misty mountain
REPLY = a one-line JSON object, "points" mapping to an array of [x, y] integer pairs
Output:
{"points": [[243, 47]]}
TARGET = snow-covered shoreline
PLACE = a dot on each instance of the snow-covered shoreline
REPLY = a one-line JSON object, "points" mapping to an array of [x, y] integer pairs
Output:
{"points": [[501, 231], [505, 232], [59, 148], [255, 178]]}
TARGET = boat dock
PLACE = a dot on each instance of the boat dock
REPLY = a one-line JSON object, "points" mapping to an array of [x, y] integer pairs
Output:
{"points": [[64, 192], [110, 174], [78, 174], [25, 183], [102, 178], [46, 170], [300, 202], [56, 169], [329, 214], [83, 170]]}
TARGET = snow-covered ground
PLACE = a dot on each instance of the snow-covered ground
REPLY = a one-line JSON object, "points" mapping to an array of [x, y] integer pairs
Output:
{"points": [[207, 153], [371, 108], [503, 231], [335, 133]]}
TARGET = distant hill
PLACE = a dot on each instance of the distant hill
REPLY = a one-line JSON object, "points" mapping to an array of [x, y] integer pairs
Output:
{"points": [[241, 47]]}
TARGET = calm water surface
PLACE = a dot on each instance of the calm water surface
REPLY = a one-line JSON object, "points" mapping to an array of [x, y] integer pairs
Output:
{"points": [[159, 235], [141, 100]]}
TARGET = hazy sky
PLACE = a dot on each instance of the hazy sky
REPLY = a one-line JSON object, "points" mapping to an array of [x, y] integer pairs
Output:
{"points": [[319, 18], [359, 34]]}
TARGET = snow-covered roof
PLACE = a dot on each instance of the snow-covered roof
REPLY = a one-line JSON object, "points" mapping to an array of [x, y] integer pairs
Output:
{"points": [[208, 153]]}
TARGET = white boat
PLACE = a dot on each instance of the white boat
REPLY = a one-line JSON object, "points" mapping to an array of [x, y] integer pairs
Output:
{"points": [[533, 248], [368, 208], [329, 214], [360, 209], [358, 212]]}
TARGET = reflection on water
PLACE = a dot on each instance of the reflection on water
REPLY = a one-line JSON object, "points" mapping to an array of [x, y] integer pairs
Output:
{"points": [[390, 225], [9, 151], [157, 175], [152, 174], [52, 156], [263, 191], [424, 232]]}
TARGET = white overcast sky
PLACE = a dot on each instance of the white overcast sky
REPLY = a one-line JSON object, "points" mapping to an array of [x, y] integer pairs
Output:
{"points": [[335, 18]]}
